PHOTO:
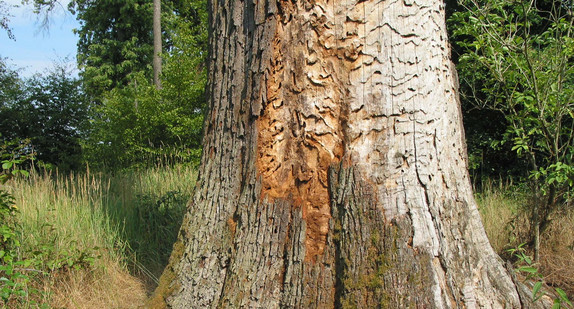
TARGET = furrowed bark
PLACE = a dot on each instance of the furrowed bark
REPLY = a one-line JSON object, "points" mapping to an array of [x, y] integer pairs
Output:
{"points": [[334, 166]]}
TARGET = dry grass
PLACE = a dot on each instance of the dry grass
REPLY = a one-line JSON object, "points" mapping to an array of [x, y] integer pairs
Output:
{"points": [[557, 252], [62, 218], [105, 287], [501, 214], [505, 217]]}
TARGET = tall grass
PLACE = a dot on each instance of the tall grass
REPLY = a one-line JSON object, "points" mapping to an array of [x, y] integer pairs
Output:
{"points": [[148, 206], [505, 211], [65, 212], [100, 240]]}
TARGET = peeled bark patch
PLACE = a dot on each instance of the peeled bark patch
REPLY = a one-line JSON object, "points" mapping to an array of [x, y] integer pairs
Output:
{"points": [[300, 127]]}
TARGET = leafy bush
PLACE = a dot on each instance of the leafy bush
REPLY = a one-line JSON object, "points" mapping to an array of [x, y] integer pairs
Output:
{"points": [[50, 111], [13, 280], [137, 126], [526, 266], [516, 61]]}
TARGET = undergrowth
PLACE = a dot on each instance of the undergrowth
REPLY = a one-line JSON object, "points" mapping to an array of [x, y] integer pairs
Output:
{"points": [[94, 240], [505, 213]]}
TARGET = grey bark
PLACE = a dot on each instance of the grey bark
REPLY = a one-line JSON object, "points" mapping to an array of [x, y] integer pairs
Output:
{"points": [[334, 166], [157, 44]]}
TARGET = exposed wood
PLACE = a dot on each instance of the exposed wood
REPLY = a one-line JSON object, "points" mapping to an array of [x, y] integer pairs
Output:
{"points": [[334, 166]]}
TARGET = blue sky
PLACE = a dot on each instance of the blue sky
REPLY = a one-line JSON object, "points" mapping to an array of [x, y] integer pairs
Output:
{"points": [[36, 49]]}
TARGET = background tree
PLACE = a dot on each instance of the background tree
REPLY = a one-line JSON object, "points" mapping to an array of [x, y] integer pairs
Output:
{"points": [[50, 111], [334, 166], [138, 123], [115, 54], [11, 87], [157, 50], [115, 40]]}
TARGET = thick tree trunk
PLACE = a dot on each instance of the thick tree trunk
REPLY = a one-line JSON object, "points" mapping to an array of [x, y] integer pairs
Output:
{"points": [[334, 166]]}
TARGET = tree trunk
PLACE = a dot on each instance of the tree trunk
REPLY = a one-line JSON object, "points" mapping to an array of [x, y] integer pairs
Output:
{"points": [[334, 166], [157, 43]]}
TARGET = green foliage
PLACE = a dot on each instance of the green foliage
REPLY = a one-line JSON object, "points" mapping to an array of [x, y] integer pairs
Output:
{"points": [[562, 300], [525, 265], [13, 280], [51, 259], [516, 60], [11, 86], [50, 110], [12, 156], [558, 174], [5, 19], [115, 40], [138, 124], [185, 73]]}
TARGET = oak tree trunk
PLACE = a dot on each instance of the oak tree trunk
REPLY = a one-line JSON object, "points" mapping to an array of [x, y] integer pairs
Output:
{"points": [[334, 166]]}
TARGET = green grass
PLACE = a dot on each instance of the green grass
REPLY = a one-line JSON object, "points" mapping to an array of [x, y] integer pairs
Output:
{"points": [[148, 206], [97, 227]]}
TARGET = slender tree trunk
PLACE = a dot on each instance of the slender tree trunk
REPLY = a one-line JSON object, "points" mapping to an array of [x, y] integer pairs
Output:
{"points": [[334, 167], [157, 43]]}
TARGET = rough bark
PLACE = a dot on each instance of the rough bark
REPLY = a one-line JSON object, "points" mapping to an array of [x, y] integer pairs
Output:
{"points": [[334, 166]]}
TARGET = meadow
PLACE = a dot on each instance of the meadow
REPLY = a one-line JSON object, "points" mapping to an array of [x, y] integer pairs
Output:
{"points": [[96, 240]]}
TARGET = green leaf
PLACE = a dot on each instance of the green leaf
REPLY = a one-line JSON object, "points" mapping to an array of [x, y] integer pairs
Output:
{"points": [[556, 304], [7, 165], [528, 269], [563, 296], [535, 290]]}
